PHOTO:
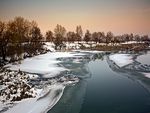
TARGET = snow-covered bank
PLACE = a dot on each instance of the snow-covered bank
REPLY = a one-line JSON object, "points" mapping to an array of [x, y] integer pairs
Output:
{"points": [[15, 87], [45, 64], [20, 96], [41, 105], [46, 68], [121, 59], [49, 46]]}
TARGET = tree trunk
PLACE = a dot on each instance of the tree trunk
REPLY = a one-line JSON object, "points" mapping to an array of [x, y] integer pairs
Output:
{"points": [[3, 53]]}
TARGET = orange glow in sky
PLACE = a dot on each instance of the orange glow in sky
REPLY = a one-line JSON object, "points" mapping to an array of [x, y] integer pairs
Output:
{"points": [[118, 16]]}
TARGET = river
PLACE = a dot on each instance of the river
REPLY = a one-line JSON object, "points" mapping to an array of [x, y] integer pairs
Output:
{"points": [[105, 88]]}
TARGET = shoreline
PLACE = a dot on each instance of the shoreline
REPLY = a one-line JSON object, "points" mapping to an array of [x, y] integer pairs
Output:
{"points": [[59, 81], [43, 105], [43, 99]]}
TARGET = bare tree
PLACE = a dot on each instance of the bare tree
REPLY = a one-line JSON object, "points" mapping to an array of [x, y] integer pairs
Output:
{"points": [[109, 37], [19, 36], [145, 38], [87, 36], [101, 37], [19, 29], [137, 38], [36, 35], [49, 36], [79, 33], [60, 33], [71, 36], [95, 37]]}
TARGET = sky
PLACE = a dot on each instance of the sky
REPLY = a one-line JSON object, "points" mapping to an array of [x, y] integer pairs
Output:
{"points": [[118, 16]]}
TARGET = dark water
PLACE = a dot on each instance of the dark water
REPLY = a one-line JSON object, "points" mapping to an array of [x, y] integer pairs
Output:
{"points": [[104, 88]]}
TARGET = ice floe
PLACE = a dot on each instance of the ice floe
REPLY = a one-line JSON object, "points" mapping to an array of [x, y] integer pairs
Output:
{"points": [[121, 59]]}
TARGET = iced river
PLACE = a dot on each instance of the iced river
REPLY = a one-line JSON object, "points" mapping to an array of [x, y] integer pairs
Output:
{"points": [[109, 83]]}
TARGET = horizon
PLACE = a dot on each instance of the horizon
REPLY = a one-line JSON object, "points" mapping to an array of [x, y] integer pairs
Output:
{"points": [[117, 16]]}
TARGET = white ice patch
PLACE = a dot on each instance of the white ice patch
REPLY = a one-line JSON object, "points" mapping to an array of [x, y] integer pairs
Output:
{"points": [[43, 64], [93, 51], [131, 42], [147, 75], [121, 59]]}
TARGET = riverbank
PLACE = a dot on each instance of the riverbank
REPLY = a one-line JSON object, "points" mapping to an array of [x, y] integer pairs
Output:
{"points": [[43, 73], [40, 79], [20, 94]]}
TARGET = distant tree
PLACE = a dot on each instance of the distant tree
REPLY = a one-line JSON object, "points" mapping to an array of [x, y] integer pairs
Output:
{"points": [[131, 37], [87, 36], [137, 38], [60, 30], [127, 37], [60, 33], [71, 36], [36, 38], [18, 33], [101, 36], [145, 38], [79, 33], [25, 36], [36, 35], [49, 36], [116, 39], [19, 29], [109, 37], [95, 37]]}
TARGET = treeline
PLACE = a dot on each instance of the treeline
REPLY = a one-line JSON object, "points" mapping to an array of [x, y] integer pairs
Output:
{"points": [[20, 38], [60, 35]]}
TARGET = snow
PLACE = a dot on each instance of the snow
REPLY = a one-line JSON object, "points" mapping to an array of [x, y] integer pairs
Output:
{"points": [[86, 51], [45, 64], [33, 76], [41, 105], [13, 84], [86, 45], [131, 42], [147, 75], [121, 59], [72, 46], [49, 46], [41, 99]]}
